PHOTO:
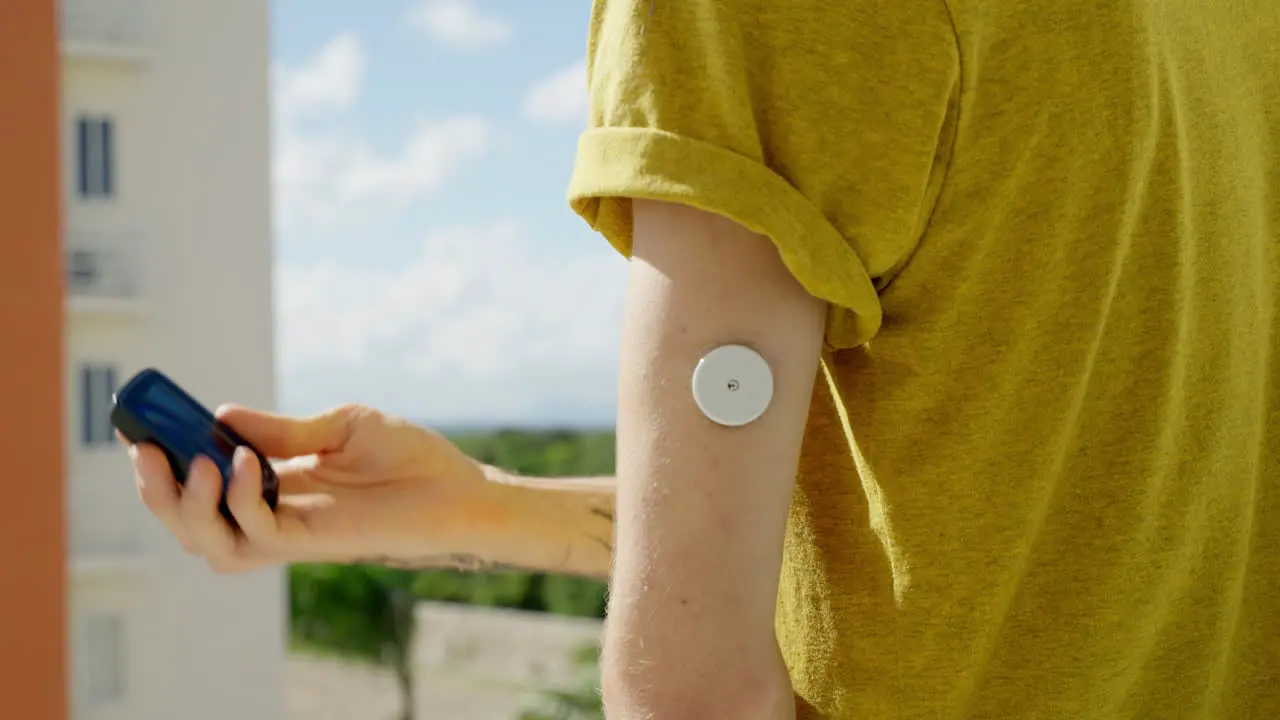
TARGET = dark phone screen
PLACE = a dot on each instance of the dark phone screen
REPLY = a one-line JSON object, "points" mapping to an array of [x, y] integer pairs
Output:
{"points": [[188, 429]]}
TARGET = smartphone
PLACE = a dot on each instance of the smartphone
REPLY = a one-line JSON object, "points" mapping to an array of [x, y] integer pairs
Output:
{"points": [[151, 408]]}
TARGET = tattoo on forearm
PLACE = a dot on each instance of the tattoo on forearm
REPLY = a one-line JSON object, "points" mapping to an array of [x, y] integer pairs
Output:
{"points": [[604, 542], [601, 534], [454, 561]]}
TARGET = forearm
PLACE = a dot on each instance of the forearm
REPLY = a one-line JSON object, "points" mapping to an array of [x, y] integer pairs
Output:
{"points": [[555, 525], [552, 525]]}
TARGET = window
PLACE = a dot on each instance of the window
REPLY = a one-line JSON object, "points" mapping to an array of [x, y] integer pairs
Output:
{"points": [[97, 385], [99, 659], [95, 156]]}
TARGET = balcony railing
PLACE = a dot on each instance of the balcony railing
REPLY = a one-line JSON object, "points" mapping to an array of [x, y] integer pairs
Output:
{"points": [[102, 267], [112, 28]]}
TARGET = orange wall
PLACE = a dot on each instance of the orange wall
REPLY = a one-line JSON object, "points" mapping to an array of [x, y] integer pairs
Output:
{"points": [[32, 546]]}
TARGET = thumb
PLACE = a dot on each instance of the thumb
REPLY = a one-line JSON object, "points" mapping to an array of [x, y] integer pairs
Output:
{"points": [[281, 436]]}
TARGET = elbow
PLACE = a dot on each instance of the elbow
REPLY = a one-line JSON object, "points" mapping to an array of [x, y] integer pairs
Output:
{"points": [[681, 692]]}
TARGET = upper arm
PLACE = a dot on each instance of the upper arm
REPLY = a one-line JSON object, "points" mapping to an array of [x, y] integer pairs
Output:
{"points": [[702, 508], [764, 165]]}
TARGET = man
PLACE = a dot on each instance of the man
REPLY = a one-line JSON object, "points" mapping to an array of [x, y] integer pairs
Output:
{"points": [[1013, 267]]}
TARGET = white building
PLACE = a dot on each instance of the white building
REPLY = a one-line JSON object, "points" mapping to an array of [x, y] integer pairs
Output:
{"points": [[168, 241]]}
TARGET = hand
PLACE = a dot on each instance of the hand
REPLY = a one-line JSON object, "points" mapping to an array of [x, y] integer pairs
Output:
{"points": [[354, 484]]}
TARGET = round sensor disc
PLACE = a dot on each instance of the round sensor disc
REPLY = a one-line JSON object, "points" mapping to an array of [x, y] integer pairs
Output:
{"points": [[732, 385]]}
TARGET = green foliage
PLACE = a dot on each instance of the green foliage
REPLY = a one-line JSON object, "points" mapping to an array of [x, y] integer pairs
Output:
{"points": [[574, 596], [547, 453], [361, 612], [347, 610], [581, 702]]}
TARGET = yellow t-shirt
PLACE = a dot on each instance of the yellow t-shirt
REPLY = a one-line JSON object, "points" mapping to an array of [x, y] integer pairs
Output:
{"points": [[1041, 476]]}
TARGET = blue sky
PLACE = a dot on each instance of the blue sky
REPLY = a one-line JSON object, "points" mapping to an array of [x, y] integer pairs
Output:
{"points": [[427, 261]]}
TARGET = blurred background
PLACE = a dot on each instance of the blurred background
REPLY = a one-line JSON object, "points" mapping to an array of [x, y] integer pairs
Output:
{"points": [[293, 204]]}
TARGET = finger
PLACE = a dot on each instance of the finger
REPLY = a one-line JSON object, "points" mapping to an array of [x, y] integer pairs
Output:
{"points": [[159, 490], [301, 475], [285, 437], [210, 534], [314, 529], [244, 498]]}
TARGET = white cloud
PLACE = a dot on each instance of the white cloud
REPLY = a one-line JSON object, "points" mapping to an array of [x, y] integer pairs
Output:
{"points": [[318, 177], [434, 152], [559, 98], [478, 325], [459, 23], [331, 79], [321, 170]]}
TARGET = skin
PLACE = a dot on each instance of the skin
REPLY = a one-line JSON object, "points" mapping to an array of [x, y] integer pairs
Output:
{"points": [[689, 533]]}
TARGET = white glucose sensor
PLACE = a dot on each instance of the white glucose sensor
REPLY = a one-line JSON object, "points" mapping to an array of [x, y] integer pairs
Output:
{"points": [[732, 385]]}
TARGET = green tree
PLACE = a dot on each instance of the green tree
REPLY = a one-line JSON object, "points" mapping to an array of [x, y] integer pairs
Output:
{"points": [[363, 612]]}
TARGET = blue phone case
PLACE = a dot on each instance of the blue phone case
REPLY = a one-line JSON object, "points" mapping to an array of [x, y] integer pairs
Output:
{"points": [[151, 408]]}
